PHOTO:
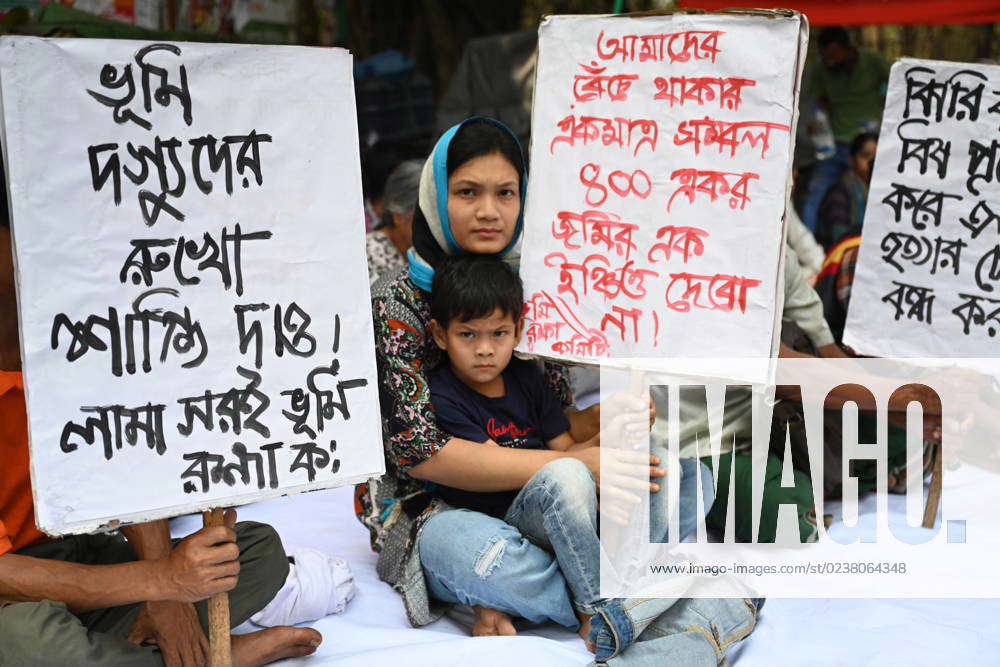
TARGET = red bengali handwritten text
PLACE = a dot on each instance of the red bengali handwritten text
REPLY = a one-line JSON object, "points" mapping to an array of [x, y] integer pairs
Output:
{"points": [[676, 47], [725, 134], [621, 132], [594, 228], [595, 84], [680, 90], [593, 343], [715, 184], [718, 292], [619, 318], [684, 240], [583, 341], [595, 273], [542, 331], [538, 307], [620, 182]]}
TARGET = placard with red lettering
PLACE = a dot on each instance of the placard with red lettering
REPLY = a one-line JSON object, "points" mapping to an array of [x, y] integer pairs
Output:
{"points": [[927, 282], [660, 163]]}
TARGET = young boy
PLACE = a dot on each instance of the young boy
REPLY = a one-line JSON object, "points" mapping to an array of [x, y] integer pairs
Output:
{"points": [[483, 394]]}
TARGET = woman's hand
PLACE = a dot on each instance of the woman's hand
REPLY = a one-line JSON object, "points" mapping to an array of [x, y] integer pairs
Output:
{"points": [[627, 421], [624, 469], [623, 478]]}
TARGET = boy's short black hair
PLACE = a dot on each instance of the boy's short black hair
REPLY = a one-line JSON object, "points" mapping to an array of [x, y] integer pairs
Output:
{"points": [[467, 287]]}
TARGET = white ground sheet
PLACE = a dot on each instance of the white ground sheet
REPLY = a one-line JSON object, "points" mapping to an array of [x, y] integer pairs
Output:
{"points": [[373, 631]]}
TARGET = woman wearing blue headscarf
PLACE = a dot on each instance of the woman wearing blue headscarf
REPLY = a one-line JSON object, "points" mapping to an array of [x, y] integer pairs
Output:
{"points": [[471, 201]]}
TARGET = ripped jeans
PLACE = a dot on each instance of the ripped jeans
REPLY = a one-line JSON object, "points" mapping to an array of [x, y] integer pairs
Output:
{"points": [[542, 561], [673, 631], [514, 564]]}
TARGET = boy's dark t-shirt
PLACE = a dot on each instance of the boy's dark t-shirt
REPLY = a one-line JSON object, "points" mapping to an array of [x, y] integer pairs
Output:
{"points": [[526, 416]]}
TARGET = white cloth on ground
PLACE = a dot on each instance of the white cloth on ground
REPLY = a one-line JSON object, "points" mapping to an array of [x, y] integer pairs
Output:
{"points": [[373, 630], [318, 585]]}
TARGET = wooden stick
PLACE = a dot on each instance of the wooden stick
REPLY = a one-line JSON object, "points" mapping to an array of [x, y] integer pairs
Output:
{"points": [[934, 494], [218, 611]]}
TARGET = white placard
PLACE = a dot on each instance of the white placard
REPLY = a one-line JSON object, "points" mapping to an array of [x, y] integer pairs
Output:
{"points": [[928, 273], [660, 159], [193, 295]]}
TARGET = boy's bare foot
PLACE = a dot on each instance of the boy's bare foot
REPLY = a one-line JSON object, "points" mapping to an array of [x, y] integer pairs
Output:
{"points": [[264, 646], [585, 630], [491, 623]]}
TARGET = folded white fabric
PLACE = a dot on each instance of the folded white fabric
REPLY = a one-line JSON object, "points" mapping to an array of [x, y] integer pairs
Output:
{"points": [[318, 585]]}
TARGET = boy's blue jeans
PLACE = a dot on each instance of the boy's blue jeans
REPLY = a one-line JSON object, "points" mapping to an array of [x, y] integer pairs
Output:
{"points": [[683, 631], [542, 561]]}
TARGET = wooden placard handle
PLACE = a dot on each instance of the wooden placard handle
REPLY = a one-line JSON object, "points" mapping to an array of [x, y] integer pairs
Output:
{"points": [[218, 610], [934, 494]]}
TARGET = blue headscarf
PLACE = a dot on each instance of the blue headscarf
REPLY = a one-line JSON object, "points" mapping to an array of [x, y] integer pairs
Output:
{"points": [[433, 239]]}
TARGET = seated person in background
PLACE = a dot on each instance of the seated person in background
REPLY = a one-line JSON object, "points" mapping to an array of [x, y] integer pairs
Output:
{"points": [[833, 285], [377, 161], [834, 282], [483, 394], [843, 209], [849, 83], [803, 313], [807, 251], [804, 248], [108, 600], [393, 234]]}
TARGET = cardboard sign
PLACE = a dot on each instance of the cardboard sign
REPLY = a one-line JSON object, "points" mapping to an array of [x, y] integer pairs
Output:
{"points": [[189, 245], [660, 161], [927, 281]]}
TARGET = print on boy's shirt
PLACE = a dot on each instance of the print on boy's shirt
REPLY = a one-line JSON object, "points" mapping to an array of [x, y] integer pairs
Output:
{"points": [[509, 431], [526, 417]]}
